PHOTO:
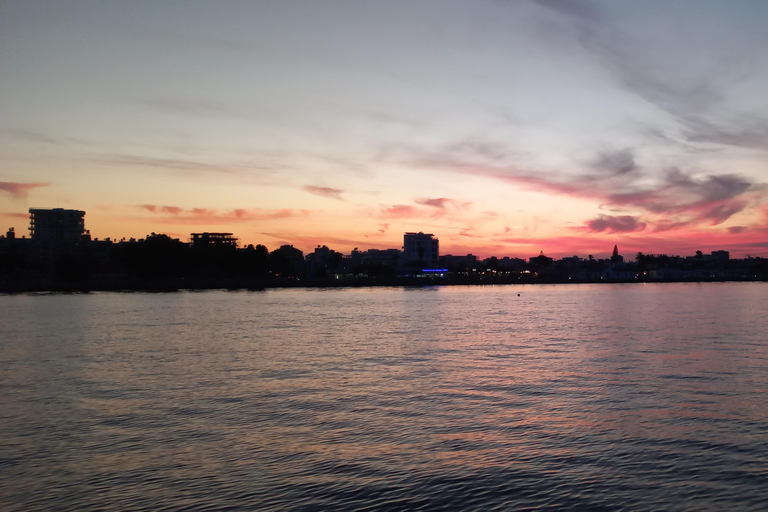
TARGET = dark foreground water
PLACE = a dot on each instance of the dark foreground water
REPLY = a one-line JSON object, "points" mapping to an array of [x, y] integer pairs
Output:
{"points": [[586, 397]]}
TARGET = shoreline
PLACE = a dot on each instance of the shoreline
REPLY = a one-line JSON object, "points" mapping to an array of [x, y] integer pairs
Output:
{"points": [[177, 285]]}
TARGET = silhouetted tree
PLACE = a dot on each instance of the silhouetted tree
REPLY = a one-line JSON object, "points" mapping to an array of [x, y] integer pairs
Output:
{"points": [[157, 256]]}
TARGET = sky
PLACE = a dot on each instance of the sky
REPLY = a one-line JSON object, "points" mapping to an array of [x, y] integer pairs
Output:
{"points": [[503, 127]]}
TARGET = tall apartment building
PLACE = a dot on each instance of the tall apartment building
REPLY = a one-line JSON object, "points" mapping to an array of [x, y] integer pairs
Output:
{"points": [[56, 225], [421, 248], [55, 231]]}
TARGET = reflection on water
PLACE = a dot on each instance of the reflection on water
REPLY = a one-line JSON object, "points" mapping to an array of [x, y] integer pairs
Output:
{"points": [[600, 397]]}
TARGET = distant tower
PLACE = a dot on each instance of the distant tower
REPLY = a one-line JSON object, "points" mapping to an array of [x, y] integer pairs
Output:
{"points": [[616, 258]]}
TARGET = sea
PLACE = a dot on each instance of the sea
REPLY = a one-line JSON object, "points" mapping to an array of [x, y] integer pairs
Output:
{"points": [[519, 397]]}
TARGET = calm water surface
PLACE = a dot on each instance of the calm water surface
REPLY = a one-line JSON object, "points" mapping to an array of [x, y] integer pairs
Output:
{"points": [[585, 397]]}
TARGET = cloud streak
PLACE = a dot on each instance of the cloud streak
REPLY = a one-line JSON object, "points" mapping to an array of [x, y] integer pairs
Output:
{"points": [[177, 215]]}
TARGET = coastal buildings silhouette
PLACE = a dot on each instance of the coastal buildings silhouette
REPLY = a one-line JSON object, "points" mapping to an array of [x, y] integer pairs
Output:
{"points": [[60, 254]]}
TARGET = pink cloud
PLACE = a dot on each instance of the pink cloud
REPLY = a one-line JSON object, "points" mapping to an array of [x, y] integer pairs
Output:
{"points": [[173, 210], [20, 189], [400, 211]]}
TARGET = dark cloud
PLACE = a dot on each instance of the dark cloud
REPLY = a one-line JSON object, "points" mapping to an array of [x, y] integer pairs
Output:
{"points": [[615, 224], [616, 180], [332, 193], [616, 163], [712, 198], [20, 189], [735, 230]]}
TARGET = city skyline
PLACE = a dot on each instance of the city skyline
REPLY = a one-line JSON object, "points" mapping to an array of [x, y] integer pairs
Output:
{"points": [[503, 128]]}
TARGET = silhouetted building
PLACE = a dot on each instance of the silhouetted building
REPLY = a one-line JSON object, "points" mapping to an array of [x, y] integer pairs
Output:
{"points": [[200, 240], [56, 231], [323, 261], [421, 248], [459, 263], [721, 255]]}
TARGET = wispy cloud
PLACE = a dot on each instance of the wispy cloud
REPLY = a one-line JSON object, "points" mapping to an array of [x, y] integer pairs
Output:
{"points": [[692, 92], [198, 107], [172, 163], [27, 136], [20, 189], [331, 193], [440, 202]]}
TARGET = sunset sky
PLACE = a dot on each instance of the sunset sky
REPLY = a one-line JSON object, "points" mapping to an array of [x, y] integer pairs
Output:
{"points": [[502, 127]]}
